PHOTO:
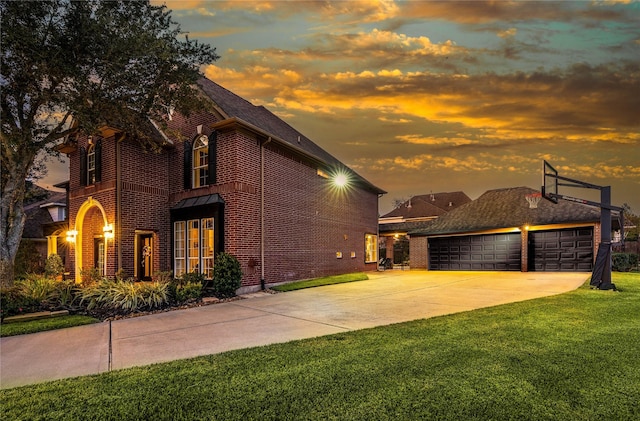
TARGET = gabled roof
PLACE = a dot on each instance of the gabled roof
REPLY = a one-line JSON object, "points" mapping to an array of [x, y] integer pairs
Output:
{"points": [[235, 108], [429, 205], [507, 208], [38, 216]]}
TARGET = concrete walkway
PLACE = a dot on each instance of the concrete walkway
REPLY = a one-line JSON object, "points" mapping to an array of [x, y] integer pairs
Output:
{"points": [[261, 319]]}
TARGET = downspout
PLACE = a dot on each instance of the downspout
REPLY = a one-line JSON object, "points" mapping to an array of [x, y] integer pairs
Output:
{"points": [[262, 227]]}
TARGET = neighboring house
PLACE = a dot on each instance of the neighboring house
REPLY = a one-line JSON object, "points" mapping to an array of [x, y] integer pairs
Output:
{"points": [[416, 213], [501, 230], [236, 179], [44, 230]]}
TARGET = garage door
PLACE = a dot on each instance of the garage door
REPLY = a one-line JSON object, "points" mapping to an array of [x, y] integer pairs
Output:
{"points": [[567, 250], [475, 252]]}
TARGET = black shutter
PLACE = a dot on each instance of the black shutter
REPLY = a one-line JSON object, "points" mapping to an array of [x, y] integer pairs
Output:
{"points": [[213, 143], [187, 165], [83, 166], [98, 157]]}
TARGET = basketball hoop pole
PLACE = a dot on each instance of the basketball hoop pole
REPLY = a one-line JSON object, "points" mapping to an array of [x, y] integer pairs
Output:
{"points": [[601, 275], [605, 235]]}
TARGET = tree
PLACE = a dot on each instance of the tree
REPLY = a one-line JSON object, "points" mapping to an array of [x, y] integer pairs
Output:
{"points": [[632, 222], [77, 66]]}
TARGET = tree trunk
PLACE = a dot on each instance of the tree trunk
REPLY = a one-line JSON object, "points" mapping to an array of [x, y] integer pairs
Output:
{"points": [[12, 214]]}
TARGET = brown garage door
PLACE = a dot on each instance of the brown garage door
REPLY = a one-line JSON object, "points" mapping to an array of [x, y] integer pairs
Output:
{"points": [[566, 250], [475, 252]]}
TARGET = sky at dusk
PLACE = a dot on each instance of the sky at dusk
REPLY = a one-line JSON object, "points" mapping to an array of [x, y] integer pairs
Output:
{"points": [[430, 96]]}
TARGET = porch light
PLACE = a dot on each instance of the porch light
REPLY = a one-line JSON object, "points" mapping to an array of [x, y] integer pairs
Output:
{"points": [[71, 236], [108, 231]]}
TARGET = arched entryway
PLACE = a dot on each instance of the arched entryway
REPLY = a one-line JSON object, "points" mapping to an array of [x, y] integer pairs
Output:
{"points": [[93, 233]]}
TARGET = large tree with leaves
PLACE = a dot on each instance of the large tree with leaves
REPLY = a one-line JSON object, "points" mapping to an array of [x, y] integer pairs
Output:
{"points": [[93, 63]]}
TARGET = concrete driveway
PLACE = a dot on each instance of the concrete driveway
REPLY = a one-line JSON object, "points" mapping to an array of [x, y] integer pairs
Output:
{"points": [[262, 319]]}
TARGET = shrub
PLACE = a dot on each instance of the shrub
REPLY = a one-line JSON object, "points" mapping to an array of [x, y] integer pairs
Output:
{"points": [[13, 302], [163, 277], [66, 295], [189, 291], [90, 276], [53, 267], [124, 296], [154, 294], [227, 275], [38, 288], [624, 262], [191, 277], [97, 294]]}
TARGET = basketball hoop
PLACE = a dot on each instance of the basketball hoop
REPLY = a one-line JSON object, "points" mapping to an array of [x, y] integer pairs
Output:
{"points": [[533, 199]]}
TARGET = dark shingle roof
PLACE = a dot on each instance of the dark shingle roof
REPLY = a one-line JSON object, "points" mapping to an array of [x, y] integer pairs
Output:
{"points": [[506, 208], [426, 205], [232, 105], [409, 226]]}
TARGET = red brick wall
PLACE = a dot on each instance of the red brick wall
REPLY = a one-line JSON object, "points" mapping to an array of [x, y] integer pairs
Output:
{"points": [[307, 221], [419, 252]]}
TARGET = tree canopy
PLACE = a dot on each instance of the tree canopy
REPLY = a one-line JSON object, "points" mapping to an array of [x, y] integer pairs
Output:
{"points": [[93, 63]]}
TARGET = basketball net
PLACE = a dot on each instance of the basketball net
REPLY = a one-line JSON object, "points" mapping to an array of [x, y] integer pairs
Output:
{"points": [[533, 199]]}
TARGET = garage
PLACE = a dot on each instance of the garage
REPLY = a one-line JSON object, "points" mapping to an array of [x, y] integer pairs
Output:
{"points": [[565, 250], [475, 252]]}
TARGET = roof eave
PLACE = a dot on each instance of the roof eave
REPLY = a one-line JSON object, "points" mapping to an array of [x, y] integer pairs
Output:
{"points": [[233, 123]]}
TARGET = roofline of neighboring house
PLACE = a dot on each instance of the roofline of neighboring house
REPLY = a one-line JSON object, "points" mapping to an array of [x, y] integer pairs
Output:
{"points": [[235, 122], [51, 204]]}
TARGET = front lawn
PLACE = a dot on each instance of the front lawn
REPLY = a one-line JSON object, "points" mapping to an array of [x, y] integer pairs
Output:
{"points": [[326, 280], [567, 357]]}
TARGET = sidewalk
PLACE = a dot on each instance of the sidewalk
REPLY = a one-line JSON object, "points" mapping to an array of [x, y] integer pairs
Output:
{"points": [[262, 319]]}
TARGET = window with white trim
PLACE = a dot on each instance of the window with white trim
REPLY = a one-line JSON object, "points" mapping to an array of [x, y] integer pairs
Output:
{"points": [[200, 162], [193, 247], [179, 251], [371, 248], [91, 165]]}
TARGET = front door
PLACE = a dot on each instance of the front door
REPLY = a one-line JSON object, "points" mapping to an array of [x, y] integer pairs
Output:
{"points": [[145, 257]]}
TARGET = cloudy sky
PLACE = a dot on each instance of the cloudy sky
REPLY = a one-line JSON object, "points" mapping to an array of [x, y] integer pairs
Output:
{"points": [[430, 96]]}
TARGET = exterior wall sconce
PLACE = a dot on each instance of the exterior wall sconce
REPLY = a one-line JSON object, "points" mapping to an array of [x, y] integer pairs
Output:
{"points": [[71, 236], [108, 231]]}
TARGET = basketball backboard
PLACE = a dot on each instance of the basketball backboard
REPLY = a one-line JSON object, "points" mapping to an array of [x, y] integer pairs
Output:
{"points": [[549, 182]]}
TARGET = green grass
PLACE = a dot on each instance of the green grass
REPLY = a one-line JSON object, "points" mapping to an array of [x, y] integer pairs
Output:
{"points": [[33, 326], [573, 356], [316, 282]]}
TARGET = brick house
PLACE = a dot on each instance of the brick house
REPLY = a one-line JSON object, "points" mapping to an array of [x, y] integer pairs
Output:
{"points": [[416, 213], [500, 231], [234, 178]]}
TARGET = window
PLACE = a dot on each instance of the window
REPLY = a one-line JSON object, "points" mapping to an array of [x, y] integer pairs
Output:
{"points": [[207, 247], [193, 247], [91, 165], [178, 248], [371, 248], [200, 162]]}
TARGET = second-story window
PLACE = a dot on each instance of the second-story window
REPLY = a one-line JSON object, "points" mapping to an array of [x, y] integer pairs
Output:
{"points": [[200, 162], [91, 165]]}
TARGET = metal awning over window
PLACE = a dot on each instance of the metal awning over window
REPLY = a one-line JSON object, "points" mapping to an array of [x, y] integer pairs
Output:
{"points": [[193, 202]]}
